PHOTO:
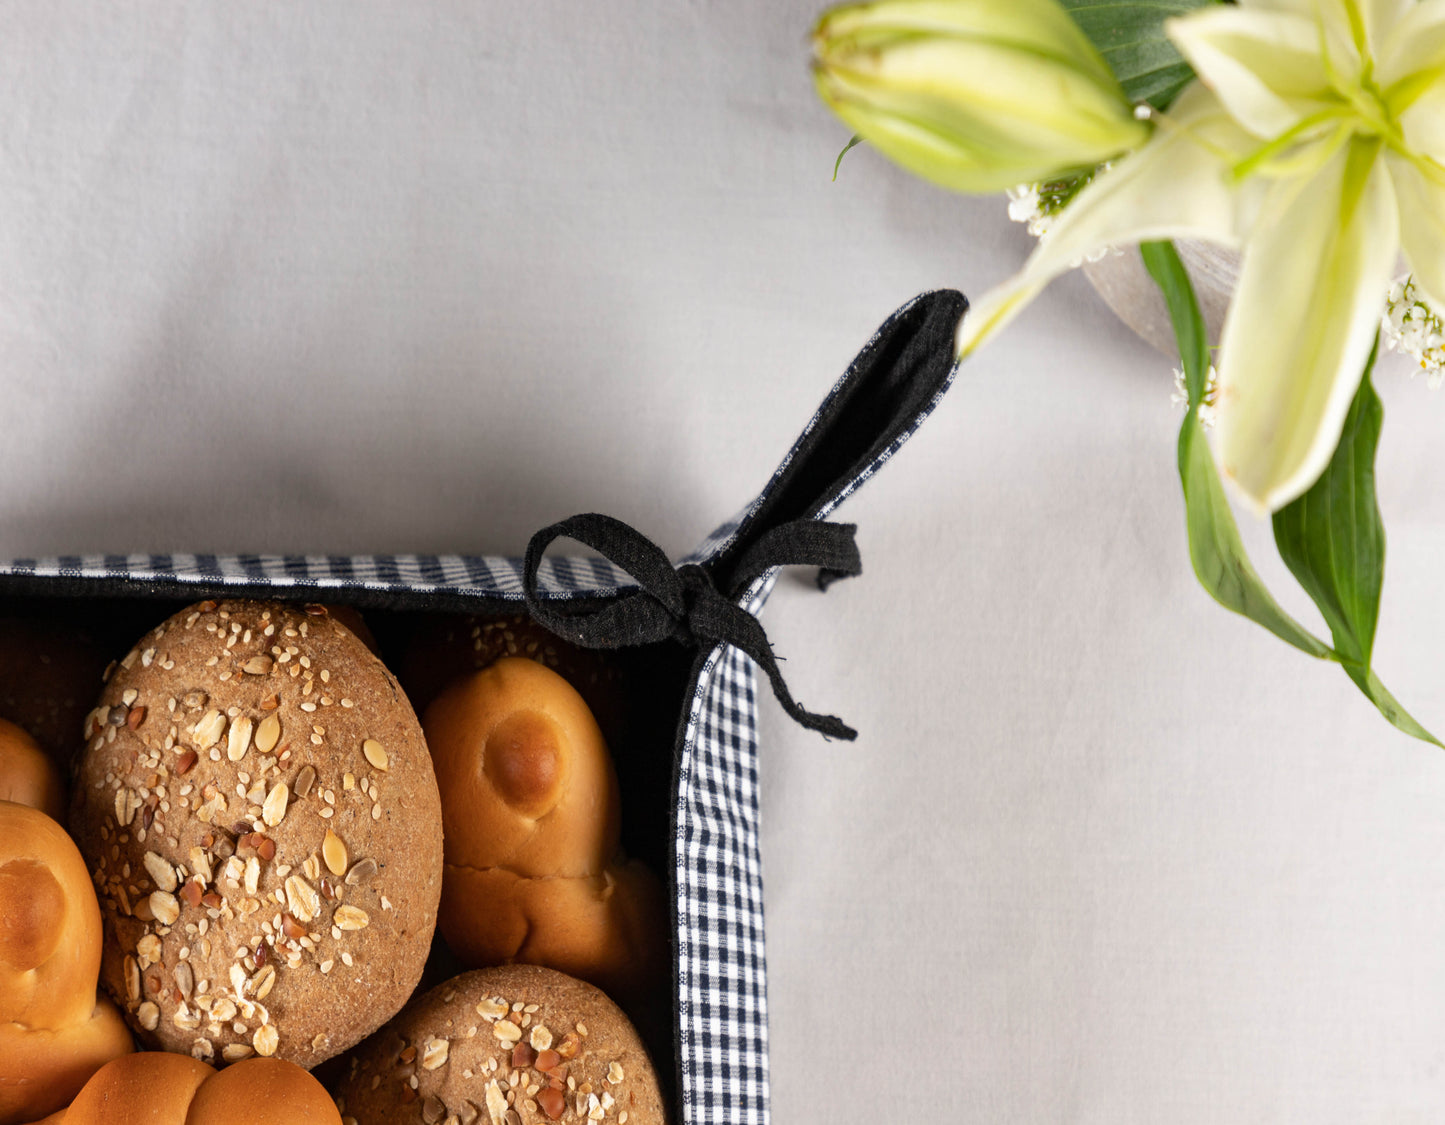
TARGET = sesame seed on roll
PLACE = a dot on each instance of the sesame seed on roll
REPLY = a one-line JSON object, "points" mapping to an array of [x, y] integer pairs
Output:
{"points": [[259, 811]]}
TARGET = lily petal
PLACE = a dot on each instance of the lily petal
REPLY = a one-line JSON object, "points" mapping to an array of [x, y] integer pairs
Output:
{"points": [[1265, 67], [1307, 8], [1424, 122], [1356, 28], [1381, 16], [1302, 323], [1421, 201], [1412, 75], [976, 95], [1413, 47], [977, 118], [1176, 187], [1039, 26]]}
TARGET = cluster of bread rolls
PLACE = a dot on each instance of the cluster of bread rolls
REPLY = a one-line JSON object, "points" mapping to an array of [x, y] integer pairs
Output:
{"points": [[264, 841]]}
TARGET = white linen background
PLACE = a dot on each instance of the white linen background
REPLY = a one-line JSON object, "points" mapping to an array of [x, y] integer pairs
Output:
{"points": [[334, 277]]}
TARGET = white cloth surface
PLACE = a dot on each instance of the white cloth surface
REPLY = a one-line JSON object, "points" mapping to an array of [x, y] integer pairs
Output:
{"points": [[346, 277]]}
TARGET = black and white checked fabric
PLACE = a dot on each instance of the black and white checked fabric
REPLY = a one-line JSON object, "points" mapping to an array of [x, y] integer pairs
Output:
{"points": [[457, 576], [721, 969], [722, 981]]}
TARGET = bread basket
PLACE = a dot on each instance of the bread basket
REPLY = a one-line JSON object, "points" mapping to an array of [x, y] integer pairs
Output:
{"points": [[699, 618]]}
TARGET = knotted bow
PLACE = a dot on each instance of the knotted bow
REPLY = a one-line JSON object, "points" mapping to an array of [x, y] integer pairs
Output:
{"points": [[684, 604]]}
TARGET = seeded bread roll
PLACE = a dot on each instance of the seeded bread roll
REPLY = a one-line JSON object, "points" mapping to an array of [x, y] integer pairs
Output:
{"points": [[54, 1031], [260, 815], [157, 1088], [507, 1046], [531, 816], [351, 617], [27, 776]]}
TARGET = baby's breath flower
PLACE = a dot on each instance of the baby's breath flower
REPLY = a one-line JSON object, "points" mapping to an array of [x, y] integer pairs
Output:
{"points": [[1025, 206], [1413, 326], [1039, 204], [1180, 397]]}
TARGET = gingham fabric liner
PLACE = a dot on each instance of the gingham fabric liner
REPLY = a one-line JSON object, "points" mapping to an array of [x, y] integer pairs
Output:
{"points": [[722, 972], [465, 575]]}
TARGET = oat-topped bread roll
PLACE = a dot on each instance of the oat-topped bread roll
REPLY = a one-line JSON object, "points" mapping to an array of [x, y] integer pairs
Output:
{"points": [[506, 1046], [260, 816]]}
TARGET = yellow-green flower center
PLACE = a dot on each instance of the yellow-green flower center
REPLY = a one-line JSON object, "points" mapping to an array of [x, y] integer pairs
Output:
{"points": [[1373, 117], [1354, 107]]}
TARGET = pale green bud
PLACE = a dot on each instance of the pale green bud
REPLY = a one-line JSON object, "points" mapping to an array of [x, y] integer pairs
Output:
{"points": [[975, 95]]}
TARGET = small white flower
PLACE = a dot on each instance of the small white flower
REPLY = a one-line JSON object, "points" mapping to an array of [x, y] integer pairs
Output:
{"points": [[1039, 205], [1413, 325], [1023, 205], [1180, 397], [1023, 202]]}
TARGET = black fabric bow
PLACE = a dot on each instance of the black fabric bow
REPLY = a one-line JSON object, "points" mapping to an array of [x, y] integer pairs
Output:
{"points": [[685, 604]]}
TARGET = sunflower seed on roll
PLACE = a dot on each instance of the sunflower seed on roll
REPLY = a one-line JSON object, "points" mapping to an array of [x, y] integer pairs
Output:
{"points": [[513, 1045]]}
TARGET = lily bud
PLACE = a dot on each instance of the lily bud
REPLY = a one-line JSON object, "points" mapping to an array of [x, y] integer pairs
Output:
{"points": [[975, 95]]}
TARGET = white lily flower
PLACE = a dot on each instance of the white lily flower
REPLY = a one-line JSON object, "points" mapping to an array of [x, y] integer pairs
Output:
{"points": [[976, 95], [1315, 141]]}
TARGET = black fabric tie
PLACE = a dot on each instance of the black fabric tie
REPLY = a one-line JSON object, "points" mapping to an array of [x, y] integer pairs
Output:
{"points": [[684, 604]]}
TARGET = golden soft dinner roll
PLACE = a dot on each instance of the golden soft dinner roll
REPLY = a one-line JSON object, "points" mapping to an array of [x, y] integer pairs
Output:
{"points": [[530, 814], [148, 1088], [262, 821], [514, 1045], [54, 1032], [447, 647], [262, 1092], [27, 776], [156, 1088]]}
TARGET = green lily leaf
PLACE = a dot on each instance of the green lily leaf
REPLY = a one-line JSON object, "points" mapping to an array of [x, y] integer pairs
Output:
{"points": [[1333, 541], [1369, 683], [1331, 538], [1218, 555], [1130, 36], [1215, 549]]}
